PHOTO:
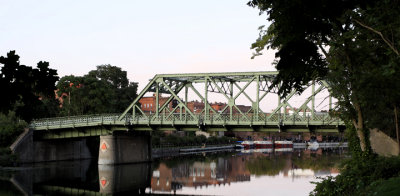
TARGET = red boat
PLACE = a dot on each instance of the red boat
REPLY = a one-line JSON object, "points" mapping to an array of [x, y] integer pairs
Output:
{"points": [[283, 144], [263, 144], [248, 144]]}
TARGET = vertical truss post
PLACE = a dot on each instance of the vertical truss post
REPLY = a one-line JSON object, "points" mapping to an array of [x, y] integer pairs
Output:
{"points": [[180, 112], [230, 106], [330, 102], [280, 109], [205, 99], [313, 100], [157, 100], [279, 103], [231, 89], [284, 109], [186, 100], [257, 104]]}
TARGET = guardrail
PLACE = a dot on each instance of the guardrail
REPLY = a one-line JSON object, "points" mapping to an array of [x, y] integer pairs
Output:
{"points": [[185, 119]]}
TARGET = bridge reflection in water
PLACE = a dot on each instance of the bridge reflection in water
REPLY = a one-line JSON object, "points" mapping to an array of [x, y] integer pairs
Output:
{"points": [[83, 178], [194, 174]]}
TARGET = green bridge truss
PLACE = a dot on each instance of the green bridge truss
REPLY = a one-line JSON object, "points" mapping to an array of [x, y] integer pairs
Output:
{"points": [[252, 87]]}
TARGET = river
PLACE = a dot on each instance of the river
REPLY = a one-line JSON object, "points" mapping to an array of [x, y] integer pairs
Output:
{"points": [[242, 172]]}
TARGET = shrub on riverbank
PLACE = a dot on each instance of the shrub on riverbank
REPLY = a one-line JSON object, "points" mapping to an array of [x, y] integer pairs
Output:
{"points": [[6, 157], [10, 128], [385, 187], [360, 176], [364, 174]]}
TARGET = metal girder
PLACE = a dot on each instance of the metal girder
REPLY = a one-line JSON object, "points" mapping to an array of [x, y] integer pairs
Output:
{"points": [[165, 83], [180, 116]]}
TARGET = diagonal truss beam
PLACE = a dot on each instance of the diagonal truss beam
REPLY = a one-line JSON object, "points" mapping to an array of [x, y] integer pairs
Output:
{"points": [[178, 99], [131, 106], [202, 98]]}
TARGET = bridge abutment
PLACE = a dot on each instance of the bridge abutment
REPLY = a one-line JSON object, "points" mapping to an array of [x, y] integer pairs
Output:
{"points": [[29, 150], [120, 149]]}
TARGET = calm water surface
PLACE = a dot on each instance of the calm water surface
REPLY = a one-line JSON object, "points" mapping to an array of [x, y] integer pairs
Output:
{"points": [[246, 172]]}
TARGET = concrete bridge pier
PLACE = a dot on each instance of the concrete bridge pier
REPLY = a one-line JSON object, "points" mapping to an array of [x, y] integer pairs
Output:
{"points": [[124, 148]]}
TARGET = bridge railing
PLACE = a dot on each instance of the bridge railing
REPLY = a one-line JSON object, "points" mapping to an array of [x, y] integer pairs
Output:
{"points": [[74, 121], [238, 119], [186, 119]]}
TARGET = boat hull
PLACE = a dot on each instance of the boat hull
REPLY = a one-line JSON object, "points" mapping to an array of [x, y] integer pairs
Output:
{"points": [[283, 144], [263, 144], [248, 144]]}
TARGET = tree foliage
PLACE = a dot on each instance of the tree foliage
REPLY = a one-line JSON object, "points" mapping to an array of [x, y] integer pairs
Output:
{"points": [[10, 128], [353, 45], [27, 91], [104, 90]]}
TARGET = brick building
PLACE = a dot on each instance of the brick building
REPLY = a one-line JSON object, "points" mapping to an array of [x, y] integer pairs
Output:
{"points": [[148, 105]]}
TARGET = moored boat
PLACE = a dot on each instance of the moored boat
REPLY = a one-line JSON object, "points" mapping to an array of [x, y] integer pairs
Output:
{"points": [[283, 144], [263, 144], [264, 150], [248, 144], [283, 149], [313, 145], [239, 146]]}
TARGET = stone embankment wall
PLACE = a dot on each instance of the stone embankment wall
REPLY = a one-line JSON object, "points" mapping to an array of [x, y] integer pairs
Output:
{"points": [[383, 144]]}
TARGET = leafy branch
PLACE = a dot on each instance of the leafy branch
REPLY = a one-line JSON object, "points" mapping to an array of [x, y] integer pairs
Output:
{"points": [[380, 34]]}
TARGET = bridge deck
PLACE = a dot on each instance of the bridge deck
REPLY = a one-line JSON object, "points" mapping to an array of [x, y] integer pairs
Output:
{"points": [[182, 120]]}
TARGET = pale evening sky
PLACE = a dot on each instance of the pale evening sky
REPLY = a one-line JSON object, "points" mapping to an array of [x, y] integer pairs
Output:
{"points": [[142, 37]]}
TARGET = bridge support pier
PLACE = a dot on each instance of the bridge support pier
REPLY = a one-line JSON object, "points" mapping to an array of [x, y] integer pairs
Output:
{"points": [[120, 149]]}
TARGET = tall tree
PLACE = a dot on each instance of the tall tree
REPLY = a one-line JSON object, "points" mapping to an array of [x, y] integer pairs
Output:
{"points": [[69, 90], [125, 91], [104, 90], [111, 74], [351, 44], [26, 90]]}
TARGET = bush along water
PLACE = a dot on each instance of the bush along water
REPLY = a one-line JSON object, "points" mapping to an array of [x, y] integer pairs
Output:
{"points": [[365, 173], [10, 128]]}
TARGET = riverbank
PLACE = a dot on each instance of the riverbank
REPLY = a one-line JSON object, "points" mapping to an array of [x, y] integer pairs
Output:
{"points": [[176, 151]]}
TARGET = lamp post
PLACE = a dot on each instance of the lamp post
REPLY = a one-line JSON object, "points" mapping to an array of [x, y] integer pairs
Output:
{"points": [[69, 98]]}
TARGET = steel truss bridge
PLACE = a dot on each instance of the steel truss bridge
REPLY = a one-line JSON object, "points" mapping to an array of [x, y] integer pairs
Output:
{"points": [[253, 87]]}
